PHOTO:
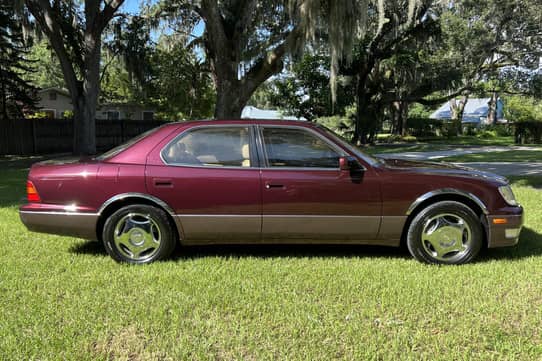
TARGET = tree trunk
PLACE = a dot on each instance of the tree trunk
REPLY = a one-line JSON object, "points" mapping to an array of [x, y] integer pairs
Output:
{"points": [[85, 99], [4, 113], [229, 102], [457, 109], [400, 114], [84, 137], [492, 109], [404, 118]]}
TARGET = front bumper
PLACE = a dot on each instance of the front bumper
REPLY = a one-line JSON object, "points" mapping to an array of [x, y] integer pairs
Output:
{"points": [[74, 224], [504, 230]]}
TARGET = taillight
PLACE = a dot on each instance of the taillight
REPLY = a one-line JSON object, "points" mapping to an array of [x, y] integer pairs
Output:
{"points": [[32, 193]]}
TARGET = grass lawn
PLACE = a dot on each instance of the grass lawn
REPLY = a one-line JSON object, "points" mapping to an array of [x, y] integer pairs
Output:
{"points": [[441, 143], [64, 298], [534, 155]]}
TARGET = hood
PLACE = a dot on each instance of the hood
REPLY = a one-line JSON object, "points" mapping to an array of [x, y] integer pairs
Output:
{"points": [[440, 168]]}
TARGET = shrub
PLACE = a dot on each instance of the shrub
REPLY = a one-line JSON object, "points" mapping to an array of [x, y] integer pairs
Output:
{"points": [[424, 126], [393, 138], [486, 134], [528, 132]]}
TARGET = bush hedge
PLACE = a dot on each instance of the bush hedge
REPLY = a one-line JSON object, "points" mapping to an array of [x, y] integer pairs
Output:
{"points": [[528, 132]]}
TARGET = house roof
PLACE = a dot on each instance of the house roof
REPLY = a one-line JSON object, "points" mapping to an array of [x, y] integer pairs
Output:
{"points": [[250, 112], [474, 109], [58, 90]]}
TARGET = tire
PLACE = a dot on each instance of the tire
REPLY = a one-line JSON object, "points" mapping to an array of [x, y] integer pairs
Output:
{"points": [[138, 234], [445, 232]]}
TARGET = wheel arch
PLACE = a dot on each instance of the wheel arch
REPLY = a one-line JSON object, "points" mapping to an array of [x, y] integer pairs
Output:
{"points": [[448, 194], [117, 202]]}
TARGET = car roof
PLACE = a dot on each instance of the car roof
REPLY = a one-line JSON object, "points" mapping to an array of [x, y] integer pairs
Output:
{"points": [[244, 121]]}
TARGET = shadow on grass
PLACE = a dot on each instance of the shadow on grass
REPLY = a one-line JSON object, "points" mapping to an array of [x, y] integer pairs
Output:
{"points": [[13, 173], [530, 245], [529, 181], [90, 248], [94, 248], [288, 250]]}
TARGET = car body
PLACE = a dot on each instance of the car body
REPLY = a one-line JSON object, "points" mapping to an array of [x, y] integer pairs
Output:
{"points": [[265, 181]]}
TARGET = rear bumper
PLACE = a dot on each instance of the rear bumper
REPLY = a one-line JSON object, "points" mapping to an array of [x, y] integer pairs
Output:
{"points": [[504, 230], [74, 224]]}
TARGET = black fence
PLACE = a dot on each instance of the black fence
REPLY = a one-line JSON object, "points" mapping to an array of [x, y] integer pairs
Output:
{"points": [[43, 136]]}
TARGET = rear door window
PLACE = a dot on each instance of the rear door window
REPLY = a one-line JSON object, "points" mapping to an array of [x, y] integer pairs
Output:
{"points": [[210, 146]]}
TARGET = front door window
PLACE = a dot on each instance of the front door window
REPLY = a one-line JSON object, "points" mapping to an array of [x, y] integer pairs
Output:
{"points": [[297, 148]]}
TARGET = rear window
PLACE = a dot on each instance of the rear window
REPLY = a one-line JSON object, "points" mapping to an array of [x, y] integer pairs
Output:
{"points": [[112, 152]]}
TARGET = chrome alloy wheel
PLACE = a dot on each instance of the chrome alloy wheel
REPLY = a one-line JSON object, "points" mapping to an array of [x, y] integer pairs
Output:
{"points": [[446, 236], [137, 236]]}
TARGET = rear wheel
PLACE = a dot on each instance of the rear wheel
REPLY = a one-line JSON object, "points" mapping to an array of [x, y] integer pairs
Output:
{"points": [[138, 234], [445, 233]]}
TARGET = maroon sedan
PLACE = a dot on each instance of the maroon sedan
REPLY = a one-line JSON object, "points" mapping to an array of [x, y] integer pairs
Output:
{"points": [[249, 181]]}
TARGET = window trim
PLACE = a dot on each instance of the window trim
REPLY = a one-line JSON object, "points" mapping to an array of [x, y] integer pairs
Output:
{"points": [[147, 111], [107, 112], [265, 159], [254, 160], [45, 110]]}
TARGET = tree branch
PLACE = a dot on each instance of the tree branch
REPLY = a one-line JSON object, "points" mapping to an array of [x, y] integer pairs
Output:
{"points": [[270, 64], [108, 12], [42, 12], [440, 100]]}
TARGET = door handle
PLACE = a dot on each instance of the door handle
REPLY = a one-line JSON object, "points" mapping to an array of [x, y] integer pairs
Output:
{"points": [[163, 182], [269, 186]]}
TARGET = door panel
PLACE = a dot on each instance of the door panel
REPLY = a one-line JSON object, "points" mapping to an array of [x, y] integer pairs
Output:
{"points": [[320, 205], [306, 195], [211, 182], [211, 204]]}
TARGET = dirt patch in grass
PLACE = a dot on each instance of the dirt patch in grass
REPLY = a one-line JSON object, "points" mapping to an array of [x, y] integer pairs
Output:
{"points": [[127, 344]]}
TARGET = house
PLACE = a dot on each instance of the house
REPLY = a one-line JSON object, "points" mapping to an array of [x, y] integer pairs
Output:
{"points": [[476, 111], [57, 103], [54, 102], [250, 112], [115, 111]]}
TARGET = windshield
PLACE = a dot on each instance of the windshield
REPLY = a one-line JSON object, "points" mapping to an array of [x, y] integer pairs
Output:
{"points": [[352, 148], [119, 148]]}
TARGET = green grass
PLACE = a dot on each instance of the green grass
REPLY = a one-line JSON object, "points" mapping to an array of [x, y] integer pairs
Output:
{"points": [[534, 155], [438, 143], [64, 298]]}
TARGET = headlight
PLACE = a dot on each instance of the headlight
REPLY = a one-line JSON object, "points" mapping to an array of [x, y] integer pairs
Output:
{"points": [[508, 195]]}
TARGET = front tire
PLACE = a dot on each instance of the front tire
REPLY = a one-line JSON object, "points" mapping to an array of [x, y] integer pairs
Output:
{"points": [[138, 234], [445, 232]]}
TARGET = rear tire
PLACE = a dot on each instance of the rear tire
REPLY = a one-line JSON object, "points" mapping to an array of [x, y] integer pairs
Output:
{"points": [[138, 234], [445, 232]]}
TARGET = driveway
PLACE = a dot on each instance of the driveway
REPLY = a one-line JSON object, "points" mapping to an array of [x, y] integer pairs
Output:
{"points": [[502, 168]]}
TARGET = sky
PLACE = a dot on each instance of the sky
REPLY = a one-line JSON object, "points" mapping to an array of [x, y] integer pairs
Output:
{"points": [[132, 7]]}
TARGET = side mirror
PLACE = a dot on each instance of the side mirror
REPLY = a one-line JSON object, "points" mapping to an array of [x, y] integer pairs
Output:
{"points": [[344, 164], [350, 164]]}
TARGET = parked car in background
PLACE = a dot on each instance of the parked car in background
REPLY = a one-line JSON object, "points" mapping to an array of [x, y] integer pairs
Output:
{"points": [[257, 181]]}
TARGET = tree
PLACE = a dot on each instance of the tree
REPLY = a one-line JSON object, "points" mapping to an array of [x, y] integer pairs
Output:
{"points": [[245, 43], [305, 91], [370, 68], [165, 73], [181, 84], [75, 34], [47, 72], [15, 92], [491, 40]]}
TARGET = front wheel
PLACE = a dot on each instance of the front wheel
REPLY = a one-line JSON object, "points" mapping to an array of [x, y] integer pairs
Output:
{"points": [[138, 234], [445, 232]]}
